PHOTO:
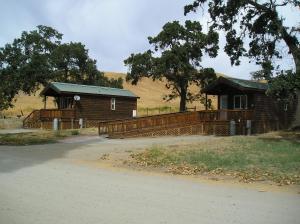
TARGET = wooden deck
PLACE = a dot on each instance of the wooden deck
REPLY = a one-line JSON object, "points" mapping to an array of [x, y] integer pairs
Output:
{"points": [[50, 114], [43, 118], [207, 119]]}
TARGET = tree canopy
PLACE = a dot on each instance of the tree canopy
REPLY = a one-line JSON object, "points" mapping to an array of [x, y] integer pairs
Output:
{"points": [[175, 55], [256, 29], [256, 23], [38, 57]]}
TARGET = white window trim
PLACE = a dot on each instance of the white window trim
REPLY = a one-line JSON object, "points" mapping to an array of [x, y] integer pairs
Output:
{"points": [[240, 97], [113, 103]]}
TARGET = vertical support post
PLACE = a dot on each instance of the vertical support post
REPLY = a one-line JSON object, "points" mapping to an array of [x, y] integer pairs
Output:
{"points": [[206, 101], [72, 123], [45, 102]]}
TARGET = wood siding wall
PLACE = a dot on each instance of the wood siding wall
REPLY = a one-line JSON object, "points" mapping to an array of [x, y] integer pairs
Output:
{"points": [[99, 108]]}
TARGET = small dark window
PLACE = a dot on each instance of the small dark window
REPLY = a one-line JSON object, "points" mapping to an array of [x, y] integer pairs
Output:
{"points": [[113, 103], [65, 102], [240, 102]]}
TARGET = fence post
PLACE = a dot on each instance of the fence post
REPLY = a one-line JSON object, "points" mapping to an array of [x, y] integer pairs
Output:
{"points": [[214, 129]]}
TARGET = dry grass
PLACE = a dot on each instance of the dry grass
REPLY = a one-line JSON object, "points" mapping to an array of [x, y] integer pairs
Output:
{"points": [[11, 123], [42, 136], [150, 93], [273, 157]]}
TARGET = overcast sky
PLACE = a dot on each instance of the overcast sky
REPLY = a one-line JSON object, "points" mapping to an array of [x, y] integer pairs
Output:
{"points": [[110, 29]]}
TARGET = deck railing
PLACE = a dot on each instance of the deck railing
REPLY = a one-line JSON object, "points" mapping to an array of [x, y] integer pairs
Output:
{"points": [[173, 119], [50, 114]]}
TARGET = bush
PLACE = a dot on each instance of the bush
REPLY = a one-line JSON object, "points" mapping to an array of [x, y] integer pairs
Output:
{"points": [[74, 132]]}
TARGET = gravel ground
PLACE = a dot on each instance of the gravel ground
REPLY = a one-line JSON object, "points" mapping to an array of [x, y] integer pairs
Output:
{"points": [[45, 184]]}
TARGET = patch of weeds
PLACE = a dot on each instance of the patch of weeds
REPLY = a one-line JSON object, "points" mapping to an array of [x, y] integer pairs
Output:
{"points": [[104, 156], [41, 137], [75, 132], [246, 158]]}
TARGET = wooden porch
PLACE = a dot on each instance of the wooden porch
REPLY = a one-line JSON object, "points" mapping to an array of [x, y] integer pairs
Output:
{"points": [[44, 117], [50, 114], [198, 122]]}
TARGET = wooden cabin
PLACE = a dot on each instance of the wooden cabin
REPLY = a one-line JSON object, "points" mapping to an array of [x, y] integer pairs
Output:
{"points": [[250, 97], [243, 108], [82, 105]]}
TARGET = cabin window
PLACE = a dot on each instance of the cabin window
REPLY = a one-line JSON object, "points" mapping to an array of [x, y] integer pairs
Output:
{"points": [[65, 102], [240, 102], [113, 103], [224, 102]]}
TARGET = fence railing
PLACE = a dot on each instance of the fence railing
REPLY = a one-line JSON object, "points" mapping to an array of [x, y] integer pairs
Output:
{"points": [[177, 119], [50, 114], [32, 120]]}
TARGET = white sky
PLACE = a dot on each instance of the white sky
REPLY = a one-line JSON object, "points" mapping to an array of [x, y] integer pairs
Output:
{"points": [[112, 29]]}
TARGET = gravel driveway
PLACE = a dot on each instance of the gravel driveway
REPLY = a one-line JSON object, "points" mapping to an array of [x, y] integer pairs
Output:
{"points": [[43, 184]]}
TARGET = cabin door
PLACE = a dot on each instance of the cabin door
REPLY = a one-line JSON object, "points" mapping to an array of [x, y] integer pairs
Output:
{"points": [[223, 107]]}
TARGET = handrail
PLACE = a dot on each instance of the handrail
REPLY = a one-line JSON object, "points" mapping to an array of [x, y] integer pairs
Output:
{"points": [[32, 117], [166, 120], [57, 113]]}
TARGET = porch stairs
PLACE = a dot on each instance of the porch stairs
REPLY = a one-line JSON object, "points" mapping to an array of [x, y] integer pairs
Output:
{"points": [[185, 123], [32, 120]]}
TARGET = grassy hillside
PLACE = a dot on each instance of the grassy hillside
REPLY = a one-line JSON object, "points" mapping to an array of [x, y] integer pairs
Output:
{"points": [[150, 93]]}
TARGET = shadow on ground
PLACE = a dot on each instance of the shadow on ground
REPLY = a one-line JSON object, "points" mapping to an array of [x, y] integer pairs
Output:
{"points": [[13, 158]]}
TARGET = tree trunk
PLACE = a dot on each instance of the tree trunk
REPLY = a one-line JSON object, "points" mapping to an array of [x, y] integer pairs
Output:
{"points": [[296, 121], [295, 51], [183, 93]]}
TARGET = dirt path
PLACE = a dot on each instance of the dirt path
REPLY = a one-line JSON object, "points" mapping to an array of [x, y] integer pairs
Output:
{"points": [[46, 184]]}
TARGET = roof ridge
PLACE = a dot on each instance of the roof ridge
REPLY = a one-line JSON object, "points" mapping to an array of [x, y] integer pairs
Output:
{"points": [[248, 80], [75, 84], [90, 89]]}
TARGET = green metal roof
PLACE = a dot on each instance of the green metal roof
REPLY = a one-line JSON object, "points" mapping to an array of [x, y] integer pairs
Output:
{"points": [[61, 87], [240, 84], [248, 83]]}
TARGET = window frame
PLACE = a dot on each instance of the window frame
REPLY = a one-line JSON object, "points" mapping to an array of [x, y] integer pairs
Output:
{"points": [[240, 99], [113, 103]]}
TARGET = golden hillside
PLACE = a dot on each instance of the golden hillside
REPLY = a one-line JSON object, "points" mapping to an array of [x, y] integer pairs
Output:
{"points": [[150, 93]]}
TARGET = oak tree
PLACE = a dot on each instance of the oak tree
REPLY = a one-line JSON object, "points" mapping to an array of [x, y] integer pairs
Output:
{"points": [[38, 57], [256, 29], [175, 56]]}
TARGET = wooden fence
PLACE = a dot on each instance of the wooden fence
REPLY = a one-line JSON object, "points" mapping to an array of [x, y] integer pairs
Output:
{"points": [[50, 114], [199, 122]]}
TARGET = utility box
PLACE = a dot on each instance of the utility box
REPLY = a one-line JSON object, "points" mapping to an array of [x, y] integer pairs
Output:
{"points": [[55, 124], [232, 127], [80, 123], [248, 127]]}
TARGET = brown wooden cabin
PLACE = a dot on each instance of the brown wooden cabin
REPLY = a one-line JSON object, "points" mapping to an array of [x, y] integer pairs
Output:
{"points": [[243, 108], [90, 104], [249, 97]]}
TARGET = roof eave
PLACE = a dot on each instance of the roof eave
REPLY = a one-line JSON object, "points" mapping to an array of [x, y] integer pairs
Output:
{"points": [[49, 86], [94, 94]]}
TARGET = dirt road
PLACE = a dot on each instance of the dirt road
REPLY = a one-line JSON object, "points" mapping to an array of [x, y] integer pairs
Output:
{"points": [[45, 184]]}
